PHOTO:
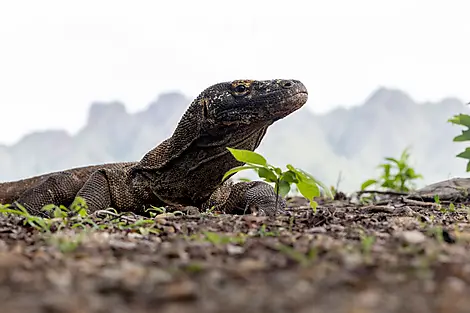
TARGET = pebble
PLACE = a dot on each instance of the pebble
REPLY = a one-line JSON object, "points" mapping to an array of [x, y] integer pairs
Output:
{"points": [[180, 291], [233, 249], [119, 244], [317, 230], [413, 236]]}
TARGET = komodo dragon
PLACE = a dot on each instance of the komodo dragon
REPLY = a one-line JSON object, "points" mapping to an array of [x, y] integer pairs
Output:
{"points": [[185, 169]]}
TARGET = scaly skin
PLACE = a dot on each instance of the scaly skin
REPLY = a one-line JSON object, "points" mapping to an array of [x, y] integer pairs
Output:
{"points": [[185, 169]]}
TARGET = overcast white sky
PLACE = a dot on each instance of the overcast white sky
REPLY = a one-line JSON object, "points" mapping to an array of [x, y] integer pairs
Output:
{"points": [[57, 56]]}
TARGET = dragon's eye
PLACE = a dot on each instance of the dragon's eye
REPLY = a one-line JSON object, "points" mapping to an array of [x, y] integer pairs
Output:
{"points": [[240, 88]]}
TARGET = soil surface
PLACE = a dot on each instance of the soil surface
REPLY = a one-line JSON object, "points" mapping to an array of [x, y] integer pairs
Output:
{"points": [[400, 256]]}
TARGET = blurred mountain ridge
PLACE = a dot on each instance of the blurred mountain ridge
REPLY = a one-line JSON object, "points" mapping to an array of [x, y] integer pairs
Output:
{"points": [[345, 143]]}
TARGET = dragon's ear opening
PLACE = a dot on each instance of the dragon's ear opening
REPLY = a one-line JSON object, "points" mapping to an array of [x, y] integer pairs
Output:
{"points": [[204, 103]]}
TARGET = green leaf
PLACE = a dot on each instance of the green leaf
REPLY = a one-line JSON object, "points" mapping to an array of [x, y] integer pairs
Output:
{"points": [[465, 154], [461, 119], [15, 212], [82, 212], [393, 160], [303, 177], [244, 179], [387, 168], [368, 183], [247, 156], [313, 205], [49, 207], [58, 213], [290, 177], [465, 136], [388, 184], [238, 169], [308, 178], [267, 174], [291, 167], [308, 190], [214, 238], [284, 188], [410, 172]]}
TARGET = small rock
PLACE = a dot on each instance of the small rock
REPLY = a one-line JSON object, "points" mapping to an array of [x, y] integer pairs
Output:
{"points": [[233, 249], [352, 260], [132, 275], [162, 216], [455, 284], [369, 298], [11, 260], [317, 230], [119, 244], [169, 229], [255, 219], [338, 228], [135, 236], [180, 291], [413, 237], [159, 276], [59, 279], [251, 265], [191, 210]]}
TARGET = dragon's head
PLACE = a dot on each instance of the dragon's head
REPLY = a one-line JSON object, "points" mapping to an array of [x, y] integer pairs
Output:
{"points": [[249, 102]]}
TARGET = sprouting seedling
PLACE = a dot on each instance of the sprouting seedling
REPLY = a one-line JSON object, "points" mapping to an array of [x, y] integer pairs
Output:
{"points": [[307, 185]]}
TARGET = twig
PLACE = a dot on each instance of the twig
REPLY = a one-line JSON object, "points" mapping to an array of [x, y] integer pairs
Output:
{"points": [[419, 203], [338, 181], [409, 210], [106, 212], [379, 209], [380, 192]]}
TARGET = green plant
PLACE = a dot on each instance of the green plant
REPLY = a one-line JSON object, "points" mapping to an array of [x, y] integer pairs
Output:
{"points": [[304, 259], [76, 217], [308, 186], [37, 222], [397, 175], [367, 241], [451, 208], [264, 233], [216, 238], [64, 243], [462, 120], [438, 232]]}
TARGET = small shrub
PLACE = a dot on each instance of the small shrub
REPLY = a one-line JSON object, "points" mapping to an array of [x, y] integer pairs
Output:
{"points": [[463, 120], [397, 175], [308, 186]]}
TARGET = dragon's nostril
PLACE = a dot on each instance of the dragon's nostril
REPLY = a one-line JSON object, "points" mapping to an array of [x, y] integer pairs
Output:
{"points": [[287, 84]]}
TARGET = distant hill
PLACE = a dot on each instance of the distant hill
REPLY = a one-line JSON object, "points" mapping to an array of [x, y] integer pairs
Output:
{"points": [[347, 142]]}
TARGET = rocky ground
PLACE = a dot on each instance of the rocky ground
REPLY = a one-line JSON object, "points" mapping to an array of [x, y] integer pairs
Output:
{"points": [[399, 256]]}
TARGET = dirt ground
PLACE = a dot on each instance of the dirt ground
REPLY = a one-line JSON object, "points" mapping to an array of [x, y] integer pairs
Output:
{"points": [[394, 257]]}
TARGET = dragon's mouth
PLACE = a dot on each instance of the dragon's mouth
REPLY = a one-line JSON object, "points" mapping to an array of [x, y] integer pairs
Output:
{"points": [[272, 113], [290, 104], [299, 99]]}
